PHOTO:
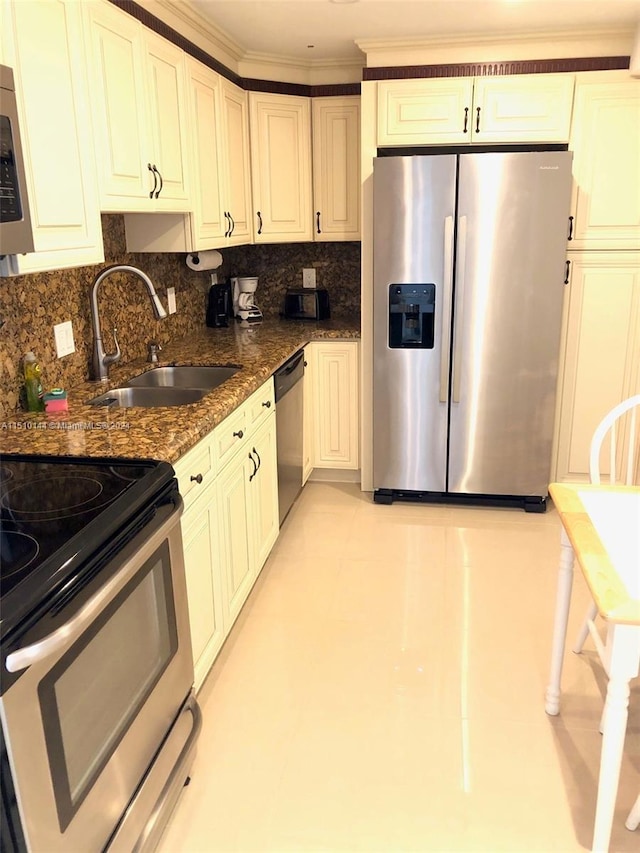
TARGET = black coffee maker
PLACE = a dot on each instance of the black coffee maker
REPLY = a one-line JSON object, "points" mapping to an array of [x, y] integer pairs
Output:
{"points": [[219, 305]]}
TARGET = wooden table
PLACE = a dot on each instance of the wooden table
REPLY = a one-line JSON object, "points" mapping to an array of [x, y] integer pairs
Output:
{"points": [[601, 528]]}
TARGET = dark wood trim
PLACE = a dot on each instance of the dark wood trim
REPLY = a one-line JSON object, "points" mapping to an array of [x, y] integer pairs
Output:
{"points": [[272, 86], [490, 69]]}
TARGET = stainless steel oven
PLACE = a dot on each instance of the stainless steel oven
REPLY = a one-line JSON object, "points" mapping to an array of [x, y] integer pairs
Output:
{"points": [[16, 236], [97, 710]]}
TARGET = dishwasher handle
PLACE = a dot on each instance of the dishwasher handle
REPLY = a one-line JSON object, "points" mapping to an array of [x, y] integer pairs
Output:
{"points": [[291, 372]]}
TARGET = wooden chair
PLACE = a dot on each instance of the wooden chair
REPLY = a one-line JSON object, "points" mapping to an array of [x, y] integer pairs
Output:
{"points": [[609, 425]]}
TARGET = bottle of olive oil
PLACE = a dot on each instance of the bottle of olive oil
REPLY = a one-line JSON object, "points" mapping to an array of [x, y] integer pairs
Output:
{"points": [[32, 383]]}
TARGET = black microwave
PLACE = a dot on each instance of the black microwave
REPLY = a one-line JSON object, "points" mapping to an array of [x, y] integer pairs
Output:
{"points": [[307, 304]]}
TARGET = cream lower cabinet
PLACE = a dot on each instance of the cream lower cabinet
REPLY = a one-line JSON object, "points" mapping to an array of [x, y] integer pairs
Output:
{"points": [[334, 403], [600, 353], [605, 139], [519, 108], [280, 128], [43, 43], [229, 485]]}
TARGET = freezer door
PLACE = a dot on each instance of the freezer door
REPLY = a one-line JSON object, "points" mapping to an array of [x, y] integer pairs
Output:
{"points": [[414, 200], [511, 242]]}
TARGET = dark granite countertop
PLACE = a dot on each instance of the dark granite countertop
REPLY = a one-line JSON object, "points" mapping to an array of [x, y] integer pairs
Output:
{"points": [[168, 432]]}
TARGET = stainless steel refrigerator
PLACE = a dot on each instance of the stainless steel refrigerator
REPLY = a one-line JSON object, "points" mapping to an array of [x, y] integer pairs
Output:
{"points": [[469, 269]]}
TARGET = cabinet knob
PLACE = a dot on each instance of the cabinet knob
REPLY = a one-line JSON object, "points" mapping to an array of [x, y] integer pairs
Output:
{"points": [[259, 215], [267, 405], [567, 271], [478, 120], [238, 434], [466, 119], [318, 222], [197, 478], [152, 169], [570, 236]]}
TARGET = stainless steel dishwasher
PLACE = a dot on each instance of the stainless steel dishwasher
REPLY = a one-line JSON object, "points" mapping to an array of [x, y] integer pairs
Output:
{"points": [[288, 394]]}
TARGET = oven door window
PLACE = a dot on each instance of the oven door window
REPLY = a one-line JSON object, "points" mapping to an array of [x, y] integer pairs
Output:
{"points": [[94, 692]]}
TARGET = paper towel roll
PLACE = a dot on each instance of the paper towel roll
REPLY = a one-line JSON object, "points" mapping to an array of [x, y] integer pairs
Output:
{"points": [[201, 261]]}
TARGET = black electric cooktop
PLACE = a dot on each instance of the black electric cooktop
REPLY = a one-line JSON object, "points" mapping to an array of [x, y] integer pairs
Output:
{"points": [[55, 512]]}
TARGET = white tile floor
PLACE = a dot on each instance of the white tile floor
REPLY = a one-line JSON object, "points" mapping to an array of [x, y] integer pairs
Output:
{"points": [[383, 690]]}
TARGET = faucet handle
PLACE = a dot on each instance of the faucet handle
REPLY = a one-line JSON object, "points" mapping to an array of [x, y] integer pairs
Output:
{"points": [[112, 357], [153, 348]]}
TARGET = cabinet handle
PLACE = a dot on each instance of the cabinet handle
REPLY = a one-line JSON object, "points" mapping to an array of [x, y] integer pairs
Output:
{"points": [[567, 270], [238, 434], [318, 222], [259, 222], [570, 237], [232, 227], [478, 120], [466, 119], [161, 181], [259, 460], [196, 479], [267, 405], [255, 468], [155, 179], [227, 230]]}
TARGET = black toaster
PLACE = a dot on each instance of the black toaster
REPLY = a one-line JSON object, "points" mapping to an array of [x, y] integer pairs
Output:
{"points": [[307, 303]]}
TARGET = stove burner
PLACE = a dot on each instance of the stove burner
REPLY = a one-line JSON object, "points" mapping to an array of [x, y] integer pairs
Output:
{"points": [[53, 497], [17, 551]]}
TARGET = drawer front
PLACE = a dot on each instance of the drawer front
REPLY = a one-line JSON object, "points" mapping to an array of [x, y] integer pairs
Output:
{"points": [[195, 471], [229, 436], [260, 405]]}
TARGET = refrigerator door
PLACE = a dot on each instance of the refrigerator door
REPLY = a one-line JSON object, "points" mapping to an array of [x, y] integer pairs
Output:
{"points": [[414, 199], [510, 253]]}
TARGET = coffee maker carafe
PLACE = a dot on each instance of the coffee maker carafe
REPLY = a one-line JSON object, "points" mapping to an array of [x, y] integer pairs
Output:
{"points": [[244, 306]]}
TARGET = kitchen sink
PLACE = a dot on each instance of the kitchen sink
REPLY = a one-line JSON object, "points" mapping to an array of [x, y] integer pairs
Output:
{"points": [[149, 397], [183, 376]]}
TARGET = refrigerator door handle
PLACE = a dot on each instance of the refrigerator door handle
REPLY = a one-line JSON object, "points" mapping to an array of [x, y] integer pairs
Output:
{"points": [[447, 288], [459, 315]]}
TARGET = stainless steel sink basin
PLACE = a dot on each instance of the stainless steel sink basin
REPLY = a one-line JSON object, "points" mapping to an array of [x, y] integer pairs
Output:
{"points": [[148, 397], [183, 376]]}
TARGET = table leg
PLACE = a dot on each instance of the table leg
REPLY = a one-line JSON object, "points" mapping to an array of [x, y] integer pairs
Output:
{"points": [[624, 644], [563, 599]]}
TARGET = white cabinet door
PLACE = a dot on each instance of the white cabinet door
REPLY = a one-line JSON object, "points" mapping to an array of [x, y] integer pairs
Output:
{"points": [[209, 224], [168, 120], [116, 72], [424, 112], [281, 167], [519, 108], [234, 540], [235, 158], [522, 107], [264, 492], [336, 404], [336, 168], [605, 139], [600, 353], [139, 114], [204, 588], [43, 43]]}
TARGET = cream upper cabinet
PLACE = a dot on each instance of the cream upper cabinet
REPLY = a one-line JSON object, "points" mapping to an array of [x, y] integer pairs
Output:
{"points": [[43, 43], [336, 168], [600, 352], [281, 168], [605, 139], [336, 400], [235, 158], [209, 223], [139, 113], [424, 112], [521, 108]]}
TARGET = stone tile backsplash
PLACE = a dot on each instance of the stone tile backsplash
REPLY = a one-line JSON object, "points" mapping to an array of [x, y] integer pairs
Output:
{"points": [[30, 305]]}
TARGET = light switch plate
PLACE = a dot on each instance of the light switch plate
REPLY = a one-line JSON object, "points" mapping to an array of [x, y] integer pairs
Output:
{"points": [[308, 277], [63, 333], [171, 299]]}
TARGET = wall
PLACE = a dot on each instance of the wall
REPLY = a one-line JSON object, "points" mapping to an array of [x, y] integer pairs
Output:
{"points": [[30, 305]]}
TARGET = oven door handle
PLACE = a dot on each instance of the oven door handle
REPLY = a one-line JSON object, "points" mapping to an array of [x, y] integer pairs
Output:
{"points": [[62, 636]]}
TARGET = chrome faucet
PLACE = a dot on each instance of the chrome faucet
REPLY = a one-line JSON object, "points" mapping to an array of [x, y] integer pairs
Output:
{"points": [[102, 359]]}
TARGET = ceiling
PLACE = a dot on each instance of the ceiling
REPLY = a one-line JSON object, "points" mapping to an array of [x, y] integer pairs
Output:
{"points": [[326, 30]]}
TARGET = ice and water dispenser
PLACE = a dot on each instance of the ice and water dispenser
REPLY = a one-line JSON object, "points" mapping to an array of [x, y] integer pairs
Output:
{"points": [[411, 316]]}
